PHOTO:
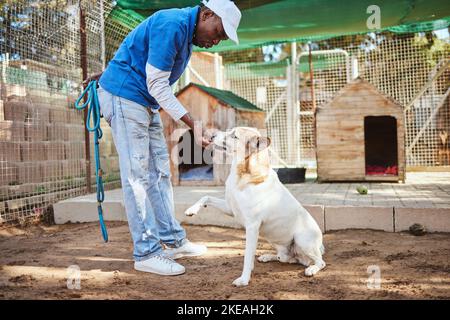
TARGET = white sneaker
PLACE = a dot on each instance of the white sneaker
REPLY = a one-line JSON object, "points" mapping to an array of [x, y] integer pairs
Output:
{"points": [[160, 265], [188, 249]]}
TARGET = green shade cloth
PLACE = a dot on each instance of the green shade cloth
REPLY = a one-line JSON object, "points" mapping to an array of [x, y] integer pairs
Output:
{"points": [[265, 21], [226, 97], [249, 70], [148, 7]]}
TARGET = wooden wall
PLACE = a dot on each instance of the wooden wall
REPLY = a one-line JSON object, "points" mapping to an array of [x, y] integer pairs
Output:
{"points": [[251, 119]]}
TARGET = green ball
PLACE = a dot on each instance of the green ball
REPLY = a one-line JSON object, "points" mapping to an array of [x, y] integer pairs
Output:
{"points": [[362, 190]]}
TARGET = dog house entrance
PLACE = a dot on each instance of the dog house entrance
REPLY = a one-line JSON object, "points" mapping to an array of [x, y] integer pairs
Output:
{"points": [[380, 136], [193, 165]]}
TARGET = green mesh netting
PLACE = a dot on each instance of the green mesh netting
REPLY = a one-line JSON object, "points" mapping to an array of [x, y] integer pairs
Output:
{"points": [[126, 17], [147, 7], [265, 21], [257, 70]]}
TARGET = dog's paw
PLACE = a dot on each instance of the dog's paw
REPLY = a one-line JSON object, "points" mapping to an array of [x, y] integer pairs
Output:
{"points": [[192, 211], [240, 282], [267, 258], [312, 270]]}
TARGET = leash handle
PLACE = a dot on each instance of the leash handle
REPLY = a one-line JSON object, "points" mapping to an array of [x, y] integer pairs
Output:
{"points": [[93, 105]]}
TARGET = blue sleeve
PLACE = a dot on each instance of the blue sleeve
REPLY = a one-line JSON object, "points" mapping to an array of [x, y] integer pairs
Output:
{"points": [[166, 39]]}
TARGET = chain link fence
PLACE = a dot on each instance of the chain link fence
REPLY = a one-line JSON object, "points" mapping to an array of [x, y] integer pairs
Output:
{"points": [[413, 69], [42, 135]]}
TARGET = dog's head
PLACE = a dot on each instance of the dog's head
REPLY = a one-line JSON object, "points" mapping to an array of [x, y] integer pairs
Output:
{"points": [[241, 142], [249, 149]]}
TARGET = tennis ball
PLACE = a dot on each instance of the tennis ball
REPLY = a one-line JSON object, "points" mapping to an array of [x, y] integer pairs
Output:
{"points": [[362, 189]]}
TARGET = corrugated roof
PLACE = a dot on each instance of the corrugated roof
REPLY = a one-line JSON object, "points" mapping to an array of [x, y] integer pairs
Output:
{"points": [[226, 97]]}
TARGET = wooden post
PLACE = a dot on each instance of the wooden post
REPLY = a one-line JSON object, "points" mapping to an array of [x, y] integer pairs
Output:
{"points": [[83, 63], [296, 104], [289, 114], [311, 77], [187, 74], [313, 94], [218, 71], [102, 35]]}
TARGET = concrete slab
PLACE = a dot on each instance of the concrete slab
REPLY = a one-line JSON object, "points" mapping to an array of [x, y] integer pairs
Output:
{"points": [[212, 216], [347, 217], [84, 208], [318, 213], [434, 219], [87, 212], [425, 198]]}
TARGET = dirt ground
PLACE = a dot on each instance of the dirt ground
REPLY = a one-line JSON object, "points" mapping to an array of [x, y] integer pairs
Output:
{"points": [[34, 262]]}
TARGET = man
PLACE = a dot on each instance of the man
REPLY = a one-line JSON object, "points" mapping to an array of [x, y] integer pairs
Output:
{"points": [[133, 87]]}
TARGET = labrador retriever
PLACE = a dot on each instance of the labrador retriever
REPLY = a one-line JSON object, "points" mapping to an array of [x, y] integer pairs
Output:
{"points": [[263, 205]]}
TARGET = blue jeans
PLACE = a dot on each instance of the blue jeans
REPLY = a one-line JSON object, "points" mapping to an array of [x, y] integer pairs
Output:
{"points": [[145, 174]]}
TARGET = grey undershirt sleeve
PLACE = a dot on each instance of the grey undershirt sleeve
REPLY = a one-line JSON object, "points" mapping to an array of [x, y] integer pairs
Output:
{"points": [[159, 88]]}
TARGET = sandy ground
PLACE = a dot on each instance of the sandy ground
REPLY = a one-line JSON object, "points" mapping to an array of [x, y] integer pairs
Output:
{"points": [[34, 261]]}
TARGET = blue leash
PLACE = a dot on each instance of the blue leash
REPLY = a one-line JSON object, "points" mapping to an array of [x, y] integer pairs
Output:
{"points": [[94, 113]]}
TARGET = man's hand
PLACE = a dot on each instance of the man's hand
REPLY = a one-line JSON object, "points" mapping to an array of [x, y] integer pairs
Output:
{"points": [[202, 136], [202, 141], [95, 76], [210, 133], [207, 136]]}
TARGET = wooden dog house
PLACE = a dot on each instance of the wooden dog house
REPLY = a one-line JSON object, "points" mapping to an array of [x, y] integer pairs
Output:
{"points": [[215, 108], [360, 136]]}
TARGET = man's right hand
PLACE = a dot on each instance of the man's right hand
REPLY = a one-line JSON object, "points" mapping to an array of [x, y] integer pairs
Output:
{"points": [[210, 133], [201, 136], [95, 76], [204, 142]]}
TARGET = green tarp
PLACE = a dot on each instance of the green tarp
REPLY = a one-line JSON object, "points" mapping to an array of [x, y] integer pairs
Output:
{"points": [[266, 21], [147, 7]]}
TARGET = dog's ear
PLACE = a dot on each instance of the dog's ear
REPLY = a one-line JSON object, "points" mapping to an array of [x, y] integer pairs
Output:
{"points": [[256, 144]]}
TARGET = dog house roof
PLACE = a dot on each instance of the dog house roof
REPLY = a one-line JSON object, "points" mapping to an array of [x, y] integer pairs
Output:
{"points": [[366, 87], [226, 97]]}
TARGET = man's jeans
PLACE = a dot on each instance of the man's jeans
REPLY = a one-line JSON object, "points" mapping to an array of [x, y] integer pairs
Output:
{"points": [[145, 174]]}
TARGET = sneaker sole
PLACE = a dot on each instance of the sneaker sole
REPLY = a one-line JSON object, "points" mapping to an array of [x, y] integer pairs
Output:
{"points": [[159, 273], [183, 255]]}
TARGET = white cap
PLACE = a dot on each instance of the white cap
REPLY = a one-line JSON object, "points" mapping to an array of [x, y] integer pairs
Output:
{"points": [[230, 15]]}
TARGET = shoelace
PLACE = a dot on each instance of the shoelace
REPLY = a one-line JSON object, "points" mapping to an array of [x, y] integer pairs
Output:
{"points": [[165, 259]]}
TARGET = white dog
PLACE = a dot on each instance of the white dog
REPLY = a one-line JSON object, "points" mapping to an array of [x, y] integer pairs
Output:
{"points": [[261, 203]]}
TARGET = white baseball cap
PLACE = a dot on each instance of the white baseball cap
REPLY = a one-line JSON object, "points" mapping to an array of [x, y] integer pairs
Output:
{"points": [[230, 15]]}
